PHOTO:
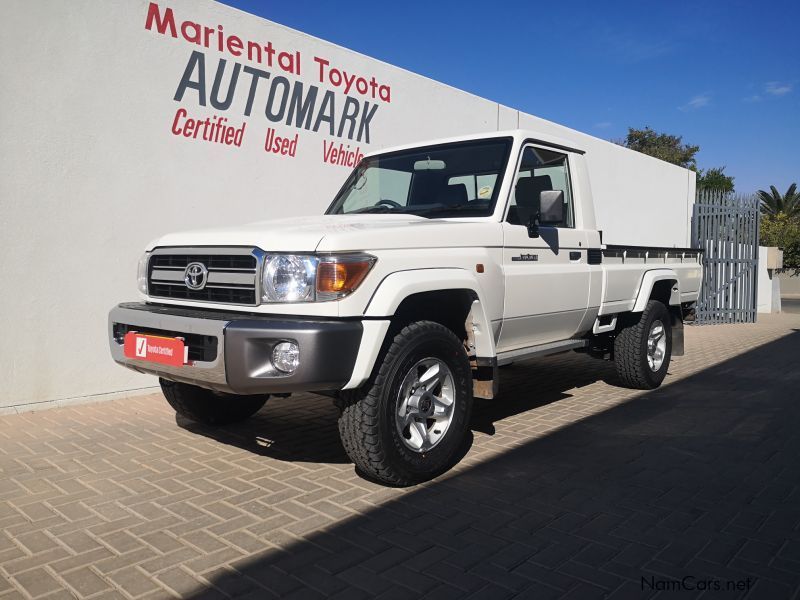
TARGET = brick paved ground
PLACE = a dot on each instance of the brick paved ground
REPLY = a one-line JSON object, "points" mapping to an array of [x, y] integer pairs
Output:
{"points": [[571, 487]]}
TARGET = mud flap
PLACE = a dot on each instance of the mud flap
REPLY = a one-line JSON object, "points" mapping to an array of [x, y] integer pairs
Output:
{"points": [[677, 330], [485, 378]]}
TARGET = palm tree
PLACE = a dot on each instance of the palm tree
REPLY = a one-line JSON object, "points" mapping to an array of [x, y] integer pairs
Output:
{"points": [[772, 203]]}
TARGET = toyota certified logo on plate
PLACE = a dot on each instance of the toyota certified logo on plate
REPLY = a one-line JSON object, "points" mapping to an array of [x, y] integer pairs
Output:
{"points": [[195, 276]]}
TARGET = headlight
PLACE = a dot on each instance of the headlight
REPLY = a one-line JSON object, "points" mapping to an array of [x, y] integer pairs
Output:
{"points": [[141, 273], [289, 278], [300, 278]]}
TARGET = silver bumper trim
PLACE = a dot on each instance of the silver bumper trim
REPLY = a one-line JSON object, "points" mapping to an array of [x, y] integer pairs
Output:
{"points": [[211, 373]]}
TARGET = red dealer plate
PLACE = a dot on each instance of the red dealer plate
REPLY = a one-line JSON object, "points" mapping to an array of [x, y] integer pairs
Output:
{"points": [[153, 348]]}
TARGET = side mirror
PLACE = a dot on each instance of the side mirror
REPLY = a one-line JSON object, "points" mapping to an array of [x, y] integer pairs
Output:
{"points": [[549, 212], [551, 207]]}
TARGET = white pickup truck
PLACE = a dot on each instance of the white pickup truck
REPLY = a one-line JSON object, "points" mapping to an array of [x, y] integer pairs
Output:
{"points": [[434, 265]]}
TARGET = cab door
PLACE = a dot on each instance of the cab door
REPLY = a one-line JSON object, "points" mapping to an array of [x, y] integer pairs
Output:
{"points": [[547, 277]]}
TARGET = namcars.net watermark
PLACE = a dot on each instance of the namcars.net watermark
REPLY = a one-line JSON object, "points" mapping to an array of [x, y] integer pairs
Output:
{"points": [[690, 583]]}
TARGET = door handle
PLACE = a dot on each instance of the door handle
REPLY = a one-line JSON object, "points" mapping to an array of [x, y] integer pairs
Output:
{"points": [[575, 256]]}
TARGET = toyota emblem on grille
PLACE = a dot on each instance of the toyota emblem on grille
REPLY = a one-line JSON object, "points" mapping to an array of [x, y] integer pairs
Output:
{"points": [[195, 276]]}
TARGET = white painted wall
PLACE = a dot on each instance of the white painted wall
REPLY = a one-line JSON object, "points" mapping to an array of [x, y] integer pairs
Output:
{"points": [[91, 171], [790, 284], [769, 286]]}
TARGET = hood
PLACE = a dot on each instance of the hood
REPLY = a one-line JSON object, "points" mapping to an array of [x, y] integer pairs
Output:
{"points": [[334, 233]]}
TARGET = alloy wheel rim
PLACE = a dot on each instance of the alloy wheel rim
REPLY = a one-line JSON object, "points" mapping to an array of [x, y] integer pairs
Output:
{"points": [[656, 345], [425, 404]]}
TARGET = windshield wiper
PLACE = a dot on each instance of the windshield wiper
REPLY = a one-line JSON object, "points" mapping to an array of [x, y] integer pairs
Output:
{"points": [[454, 208], [376, 208], [422, 210]]}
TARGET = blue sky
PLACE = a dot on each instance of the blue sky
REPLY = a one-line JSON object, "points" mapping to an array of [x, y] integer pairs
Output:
{"points": [[724, 75]]}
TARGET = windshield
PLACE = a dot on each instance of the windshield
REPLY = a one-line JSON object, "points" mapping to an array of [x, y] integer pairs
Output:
{"points": [[459, 179]]}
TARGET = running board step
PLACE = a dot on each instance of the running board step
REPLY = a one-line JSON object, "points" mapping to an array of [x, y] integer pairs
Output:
{"points": [[504, 358]]}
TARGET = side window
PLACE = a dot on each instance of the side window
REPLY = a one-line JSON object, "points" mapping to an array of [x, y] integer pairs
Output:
{"points": [[479, 187], [468, 181], [540, 170]]}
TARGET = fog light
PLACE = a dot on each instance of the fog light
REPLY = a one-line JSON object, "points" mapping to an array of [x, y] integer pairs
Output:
{"points": [[286, 357]]}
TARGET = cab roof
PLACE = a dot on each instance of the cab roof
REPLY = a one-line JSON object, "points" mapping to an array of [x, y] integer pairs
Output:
{"points": [[519, 135]]}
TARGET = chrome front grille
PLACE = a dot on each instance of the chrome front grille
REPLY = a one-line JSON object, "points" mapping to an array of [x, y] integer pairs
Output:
{"points": [[232, 274]]}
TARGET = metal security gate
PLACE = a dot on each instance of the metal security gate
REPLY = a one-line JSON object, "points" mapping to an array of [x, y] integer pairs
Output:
{"points": [[725, 227]]}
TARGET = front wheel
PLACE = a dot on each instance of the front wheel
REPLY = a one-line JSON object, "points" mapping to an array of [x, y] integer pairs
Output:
{"points": [[210, 408], [643, 348], [408, 423]]}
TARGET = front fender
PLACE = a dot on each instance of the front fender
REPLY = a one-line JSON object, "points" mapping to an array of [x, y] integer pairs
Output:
{"points": [[400, 285]]}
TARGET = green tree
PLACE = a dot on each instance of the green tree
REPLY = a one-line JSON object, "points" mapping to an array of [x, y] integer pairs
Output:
{"points": [[773, 203], [783, 231], [714, 179], [661, 145]]}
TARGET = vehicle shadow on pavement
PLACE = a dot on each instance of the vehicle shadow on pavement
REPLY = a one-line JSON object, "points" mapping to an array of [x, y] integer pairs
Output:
{"points": [[282, 431], [534, 383], [699, 478]]}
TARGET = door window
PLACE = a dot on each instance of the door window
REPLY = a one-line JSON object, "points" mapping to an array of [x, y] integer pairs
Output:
{"points": [[540, 170]]}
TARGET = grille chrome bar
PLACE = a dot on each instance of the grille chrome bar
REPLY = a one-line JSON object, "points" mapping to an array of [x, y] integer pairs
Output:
{"points": [[225, 270], [232, 286], [214, 277], [234, 274]]}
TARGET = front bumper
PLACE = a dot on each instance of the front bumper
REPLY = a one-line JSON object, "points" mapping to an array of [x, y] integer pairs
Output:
{"points": [[232, 352]]}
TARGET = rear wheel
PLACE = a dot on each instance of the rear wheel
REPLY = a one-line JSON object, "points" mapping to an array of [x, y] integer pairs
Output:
{"points": [[407, 424], [206, 406], [643, 348]]}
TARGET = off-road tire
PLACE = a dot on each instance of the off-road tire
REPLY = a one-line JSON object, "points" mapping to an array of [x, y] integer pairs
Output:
{"points": [[367, 421], [630, 348], [207, 407]]}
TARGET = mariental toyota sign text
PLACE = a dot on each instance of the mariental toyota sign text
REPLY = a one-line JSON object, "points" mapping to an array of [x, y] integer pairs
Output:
{"points": [[269, 75]]}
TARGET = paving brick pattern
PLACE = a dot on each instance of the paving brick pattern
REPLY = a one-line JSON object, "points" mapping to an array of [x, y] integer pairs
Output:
{"points": [[570, 487]]}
